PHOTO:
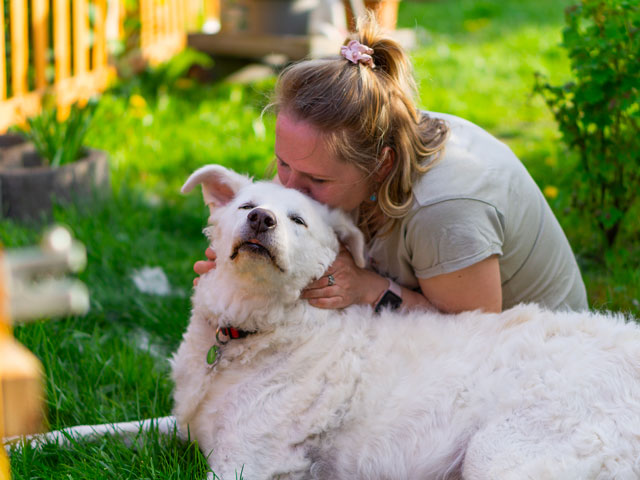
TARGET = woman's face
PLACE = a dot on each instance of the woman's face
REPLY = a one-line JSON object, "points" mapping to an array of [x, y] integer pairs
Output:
{"points": [[305, 164]]}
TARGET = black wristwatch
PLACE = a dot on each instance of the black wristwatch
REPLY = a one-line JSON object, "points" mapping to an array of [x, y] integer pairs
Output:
{"points": [[391, 297]]}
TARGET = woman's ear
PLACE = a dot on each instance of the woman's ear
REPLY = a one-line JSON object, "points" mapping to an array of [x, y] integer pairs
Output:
{"points": [[388, 156]]}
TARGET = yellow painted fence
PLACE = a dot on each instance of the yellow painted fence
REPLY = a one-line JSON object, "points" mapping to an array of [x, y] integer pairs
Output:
{"points": [[59, 47]]}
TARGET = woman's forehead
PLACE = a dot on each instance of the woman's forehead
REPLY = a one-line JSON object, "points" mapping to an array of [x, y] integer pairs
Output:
{"points": [[302, 147]]}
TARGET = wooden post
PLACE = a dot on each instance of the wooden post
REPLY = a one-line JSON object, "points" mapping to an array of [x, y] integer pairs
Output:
{"points": [[5, 332], [80, 37], [21, 392], [20, 381], [61, 47], [386, 12], [176, 29], [19, 47], [181, 17], [212, 9], [146, 21], [99, 35], [3, 59], [39, 16]]}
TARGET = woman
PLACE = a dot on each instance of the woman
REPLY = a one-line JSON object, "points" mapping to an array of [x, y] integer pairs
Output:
{"points": [[451, 216]]}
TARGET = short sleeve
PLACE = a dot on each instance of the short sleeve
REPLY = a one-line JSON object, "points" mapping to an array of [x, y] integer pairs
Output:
{"points": [[452, 235]]}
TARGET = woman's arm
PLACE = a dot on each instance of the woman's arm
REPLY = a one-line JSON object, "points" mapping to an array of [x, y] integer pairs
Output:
{"points": [[471, 288]]}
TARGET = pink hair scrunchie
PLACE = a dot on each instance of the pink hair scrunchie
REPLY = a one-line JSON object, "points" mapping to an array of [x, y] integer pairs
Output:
{"points": [[356, 52]]}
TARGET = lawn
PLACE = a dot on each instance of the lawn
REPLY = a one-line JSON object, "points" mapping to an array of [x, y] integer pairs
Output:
{"points": [[476, 59]]}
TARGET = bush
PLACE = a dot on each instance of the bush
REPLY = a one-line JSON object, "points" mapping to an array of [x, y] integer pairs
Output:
{"points": [[598, 112]]}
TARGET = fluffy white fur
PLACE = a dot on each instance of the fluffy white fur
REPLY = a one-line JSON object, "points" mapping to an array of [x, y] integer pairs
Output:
{"points": [[526, 394]]}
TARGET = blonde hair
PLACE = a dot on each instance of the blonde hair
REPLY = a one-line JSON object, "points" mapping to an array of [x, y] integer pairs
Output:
{"points": [[361, 110]]}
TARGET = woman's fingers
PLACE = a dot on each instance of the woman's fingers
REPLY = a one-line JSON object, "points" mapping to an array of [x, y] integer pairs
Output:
{"points": [[203, 266], [319, 292], [329, 302], [211, 255], [325, 281]]}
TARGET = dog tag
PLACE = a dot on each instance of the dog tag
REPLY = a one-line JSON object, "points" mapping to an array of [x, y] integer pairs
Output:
{"points": [[212, 355]]}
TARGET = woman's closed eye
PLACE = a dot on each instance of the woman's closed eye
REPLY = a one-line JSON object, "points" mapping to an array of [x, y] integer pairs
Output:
{"points": [[285, 166], [281, 164]]}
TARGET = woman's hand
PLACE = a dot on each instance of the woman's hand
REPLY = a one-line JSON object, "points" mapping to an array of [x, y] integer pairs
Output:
{"points": [[344, 284], [472, 288], [203, 266]]}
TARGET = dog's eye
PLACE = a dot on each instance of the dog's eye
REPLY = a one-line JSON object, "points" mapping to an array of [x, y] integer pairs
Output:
{"points": [[298, 220], [246, 206]]}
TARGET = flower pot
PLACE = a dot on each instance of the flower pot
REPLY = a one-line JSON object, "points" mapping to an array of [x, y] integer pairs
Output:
{"points": [[386, 13], [29, 187]]}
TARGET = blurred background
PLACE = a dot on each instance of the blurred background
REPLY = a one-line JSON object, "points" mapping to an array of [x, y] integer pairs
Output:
{"points": [[106, 106]]}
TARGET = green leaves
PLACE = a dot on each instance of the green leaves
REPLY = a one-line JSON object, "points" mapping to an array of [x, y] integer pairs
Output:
{"points": [[60, 141], [597, 112]]}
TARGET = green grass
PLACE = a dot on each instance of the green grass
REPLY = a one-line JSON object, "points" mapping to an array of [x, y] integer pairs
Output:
{"points": [[476, 60], [152, 456]]}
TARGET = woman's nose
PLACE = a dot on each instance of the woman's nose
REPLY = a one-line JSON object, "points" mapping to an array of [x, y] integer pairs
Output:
{"points": [[297, 183]]}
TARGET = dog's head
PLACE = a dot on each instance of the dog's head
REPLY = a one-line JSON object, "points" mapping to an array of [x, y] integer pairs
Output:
{"points": [[271, 239]]}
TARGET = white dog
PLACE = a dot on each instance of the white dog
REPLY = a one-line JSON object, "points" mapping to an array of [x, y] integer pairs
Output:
{"points": [[313, 393]]}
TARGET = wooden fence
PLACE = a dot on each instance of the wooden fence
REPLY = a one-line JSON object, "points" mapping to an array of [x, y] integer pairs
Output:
{"points": [[59, 48], [164, 24]]}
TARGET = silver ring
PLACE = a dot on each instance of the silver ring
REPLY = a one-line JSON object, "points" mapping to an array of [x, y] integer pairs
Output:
{"points": [[332, 281]]}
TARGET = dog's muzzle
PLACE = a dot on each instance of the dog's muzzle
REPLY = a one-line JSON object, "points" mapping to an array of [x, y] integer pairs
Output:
{"points": [[257, 234], [261, 220]]}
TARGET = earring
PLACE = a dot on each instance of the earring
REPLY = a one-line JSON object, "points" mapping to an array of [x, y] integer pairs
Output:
{"points": [[373, 197]]}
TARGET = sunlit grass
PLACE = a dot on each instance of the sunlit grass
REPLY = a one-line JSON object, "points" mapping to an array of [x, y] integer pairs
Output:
{"points": [[151, 457], [477, 60], [153, 148]]}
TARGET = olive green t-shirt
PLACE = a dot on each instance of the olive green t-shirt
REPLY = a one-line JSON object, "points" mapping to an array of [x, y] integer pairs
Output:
{"points": [[476, 201]]}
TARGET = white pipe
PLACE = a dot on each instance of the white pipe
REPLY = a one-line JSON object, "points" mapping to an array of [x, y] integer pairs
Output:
{"points": [[126, 430]]}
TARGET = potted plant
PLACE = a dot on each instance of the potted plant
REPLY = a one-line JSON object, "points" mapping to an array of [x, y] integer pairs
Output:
{"points": [[47, 162]]}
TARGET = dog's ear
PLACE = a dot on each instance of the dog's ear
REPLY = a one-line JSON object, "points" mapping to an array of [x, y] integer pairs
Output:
{"points": [[219, 184], [349, 235]]}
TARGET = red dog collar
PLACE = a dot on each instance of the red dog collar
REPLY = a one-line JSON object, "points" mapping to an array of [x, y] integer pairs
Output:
{"points": [[229, 333]]}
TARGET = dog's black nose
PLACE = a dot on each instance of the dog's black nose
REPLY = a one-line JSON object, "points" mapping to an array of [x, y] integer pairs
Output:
{"points": [[261, 220]]}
